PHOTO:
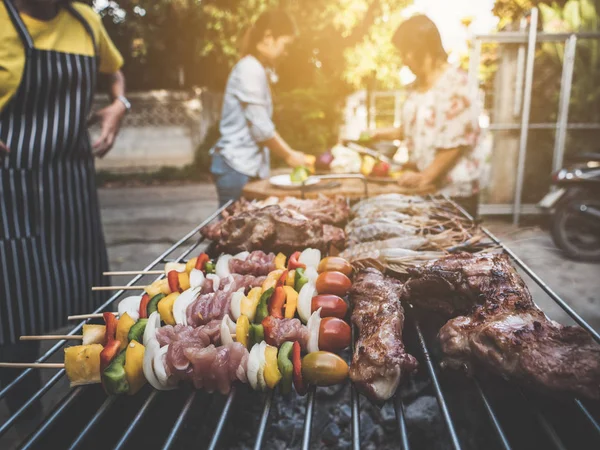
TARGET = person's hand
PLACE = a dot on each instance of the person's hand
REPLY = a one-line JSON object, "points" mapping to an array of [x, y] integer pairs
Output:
{"points": [[413, 180], [296, 159], [110, 119]]}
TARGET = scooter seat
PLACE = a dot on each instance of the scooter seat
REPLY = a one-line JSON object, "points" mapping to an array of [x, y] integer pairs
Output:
{"points": [[583, 157]]}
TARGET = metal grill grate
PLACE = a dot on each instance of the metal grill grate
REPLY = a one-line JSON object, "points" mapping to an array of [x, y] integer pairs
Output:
{"points": [[171, 438]]}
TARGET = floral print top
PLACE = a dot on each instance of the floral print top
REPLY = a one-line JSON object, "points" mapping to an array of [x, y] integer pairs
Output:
{"points": [[444, 117]]}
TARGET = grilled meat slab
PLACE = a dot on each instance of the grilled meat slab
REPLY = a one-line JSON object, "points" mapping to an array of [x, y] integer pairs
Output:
{"points": [[380, 360], [272, 228], [496, 324]]}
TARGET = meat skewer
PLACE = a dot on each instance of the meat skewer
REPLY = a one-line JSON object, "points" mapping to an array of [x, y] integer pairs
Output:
{"points": [[380, 361], [494, 323]]}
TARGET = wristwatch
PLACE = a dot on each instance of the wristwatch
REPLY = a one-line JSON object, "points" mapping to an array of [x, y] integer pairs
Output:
{"points": [[123, 100]]}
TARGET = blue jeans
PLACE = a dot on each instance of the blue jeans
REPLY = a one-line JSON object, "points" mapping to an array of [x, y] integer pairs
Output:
{"points": [[229, 182]]}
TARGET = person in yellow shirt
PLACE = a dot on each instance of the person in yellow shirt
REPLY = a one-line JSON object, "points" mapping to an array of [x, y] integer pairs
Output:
{"points": [[52, 247]]}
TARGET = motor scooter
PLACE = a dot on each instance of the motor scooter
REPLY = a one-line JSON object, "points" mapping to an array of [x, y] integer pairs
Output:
{"points": [[574, 207]]}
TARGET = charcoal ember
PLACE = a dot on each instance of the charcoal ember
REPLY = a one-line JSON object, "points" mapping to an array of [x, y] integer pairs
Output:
{"points": [[387, 416], [367, 427], [331, 434], [423, 414], [344, 414]]}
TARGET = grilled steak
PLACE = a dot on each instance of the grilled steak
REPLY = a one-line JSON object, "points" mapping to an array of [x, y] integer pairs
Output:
{"points": [[496, 324], [380, 360], [272, 228]]}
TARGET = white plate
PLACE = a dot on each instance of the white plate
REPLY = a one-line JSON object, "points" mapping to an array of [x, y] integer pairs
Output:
{"points": [[285, 182]]}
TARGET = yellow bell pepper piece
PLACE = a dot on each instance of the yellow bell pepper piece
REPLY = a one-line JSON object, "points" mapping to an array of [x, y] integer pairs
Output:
{"points": [[272, 373], [191, 264], [271, 279], [280, 261], [134, 362], [291, 301], [93, 334], [184, 281], [291, 279], [250, 303], [165, 308], [242, 330], [164, 287], [153, 289], [82, 364], [125, 323]]}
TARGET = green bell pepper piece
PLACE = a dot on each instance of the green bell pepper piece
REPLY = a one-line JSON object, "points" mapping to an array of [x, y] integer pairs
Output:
{"points": [[284, 362], [153, 303], [114, 377], [136, 332], [262, 309], [300, 279], [257, 334], [210, 267]]}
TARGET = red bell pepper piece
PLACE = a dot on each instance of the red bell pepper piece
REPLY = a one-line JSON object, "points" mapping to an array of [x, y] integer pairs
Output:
{"points": [[269, 323], [283, 278], [111, 322], [144, 306], [173, 279], [293, 262], [201, 261], [276, 303], [107, 354], [297, 376]]}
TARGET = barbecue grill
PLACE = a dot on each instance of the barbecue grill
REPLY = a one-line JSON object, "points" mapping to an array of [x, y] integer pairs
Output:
{"points": [[507, 416]]}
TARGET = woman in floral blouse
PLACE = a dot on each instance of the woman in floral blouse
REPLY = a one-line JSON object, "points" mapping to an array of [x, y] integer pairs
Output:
{"points": [[439, 117]]}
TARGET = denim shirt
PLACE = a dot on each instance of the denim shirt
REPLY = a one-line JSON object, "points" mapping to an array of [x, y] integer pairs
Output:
{"points": [[246, 119]]}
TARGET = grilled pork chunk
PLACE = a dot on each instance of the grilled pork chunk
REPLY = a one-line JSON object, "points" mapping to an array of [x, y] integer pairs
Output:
{"points": [[272, 228], [380, 360], [496, 324]]}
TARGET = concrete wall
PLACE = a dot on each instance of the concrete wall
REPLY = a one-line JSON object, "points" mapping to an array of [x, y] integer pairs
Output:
{"points": [[163, 129]]}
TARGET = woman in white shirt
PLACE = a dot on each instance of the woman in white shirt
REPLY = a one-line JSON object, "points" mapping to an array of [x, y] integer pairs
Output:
{"points": [[439, 117], [247, 130]]}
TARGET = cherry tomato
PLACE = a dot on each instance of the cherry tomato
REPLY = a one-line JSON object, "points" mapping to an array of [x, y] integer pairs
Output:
{"points": [[331, 305], [335, 283], [334, 334], [335, 264], [324, 368]]}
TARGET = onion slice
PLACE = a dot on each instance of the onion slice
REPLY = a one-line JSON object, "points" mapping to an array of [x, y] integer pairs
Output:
{"points": [[222, 267], [216, 281], [311, 257], [305, 296], [227, 329], [150, 350], [181, 304], [131, 306], [313, 325], [253, 365], [236, 303], [242, 256], [312, 274], [196, 278], [262, 362], [151, 326], [158, 364]]}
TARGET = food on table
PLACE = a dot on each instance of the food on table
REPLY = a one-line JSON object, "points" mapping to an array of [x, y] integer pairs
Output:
{"points": [[324, 161], [380, 361], [299, 174], [275, 228], [381, 169], [496, 324], [368, 162], [345, 160]]}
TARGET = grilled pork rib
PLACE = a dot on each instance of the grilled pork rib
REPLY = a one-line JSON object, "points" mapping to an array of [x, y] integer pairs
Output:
{"points": [[380, 360], [272, 228], [496, 324]]}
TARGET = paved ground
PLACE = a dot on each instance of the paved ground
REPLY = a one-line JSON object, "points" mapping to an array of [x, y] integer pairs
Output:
{"points": [[141, 222]]}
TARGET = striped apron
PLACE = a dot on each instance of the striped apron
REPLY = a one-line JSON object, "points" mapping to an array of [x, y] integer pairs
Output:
{"points": [[52, 246]]}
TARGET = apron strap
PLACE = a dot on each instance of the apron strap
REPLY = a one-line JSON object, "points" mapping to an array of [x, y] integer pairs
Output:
{"points": [[85, 24], [19, 25]]}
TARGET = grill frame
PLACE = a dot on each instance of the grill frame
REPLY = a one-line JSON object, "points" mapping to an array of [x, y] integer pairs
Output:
{"points": [[398, 403]]}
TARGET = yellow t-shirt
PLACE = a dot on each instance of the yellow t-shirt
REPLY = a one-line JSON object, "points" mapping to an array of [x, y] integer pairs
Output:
{"points": [[64, 33]]}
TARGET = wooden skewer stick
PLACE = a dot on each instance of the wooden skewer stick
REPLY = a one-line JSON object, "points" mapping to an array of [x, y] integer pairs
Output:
{"points": [[51, 337], [135, 272], [33, 365], [87, 316], [118, 288]]}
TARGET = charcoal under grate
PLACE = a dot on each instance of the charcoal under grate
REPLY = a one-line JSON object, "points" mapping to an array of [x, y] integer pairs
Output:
{"points": [[434, 410]]}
